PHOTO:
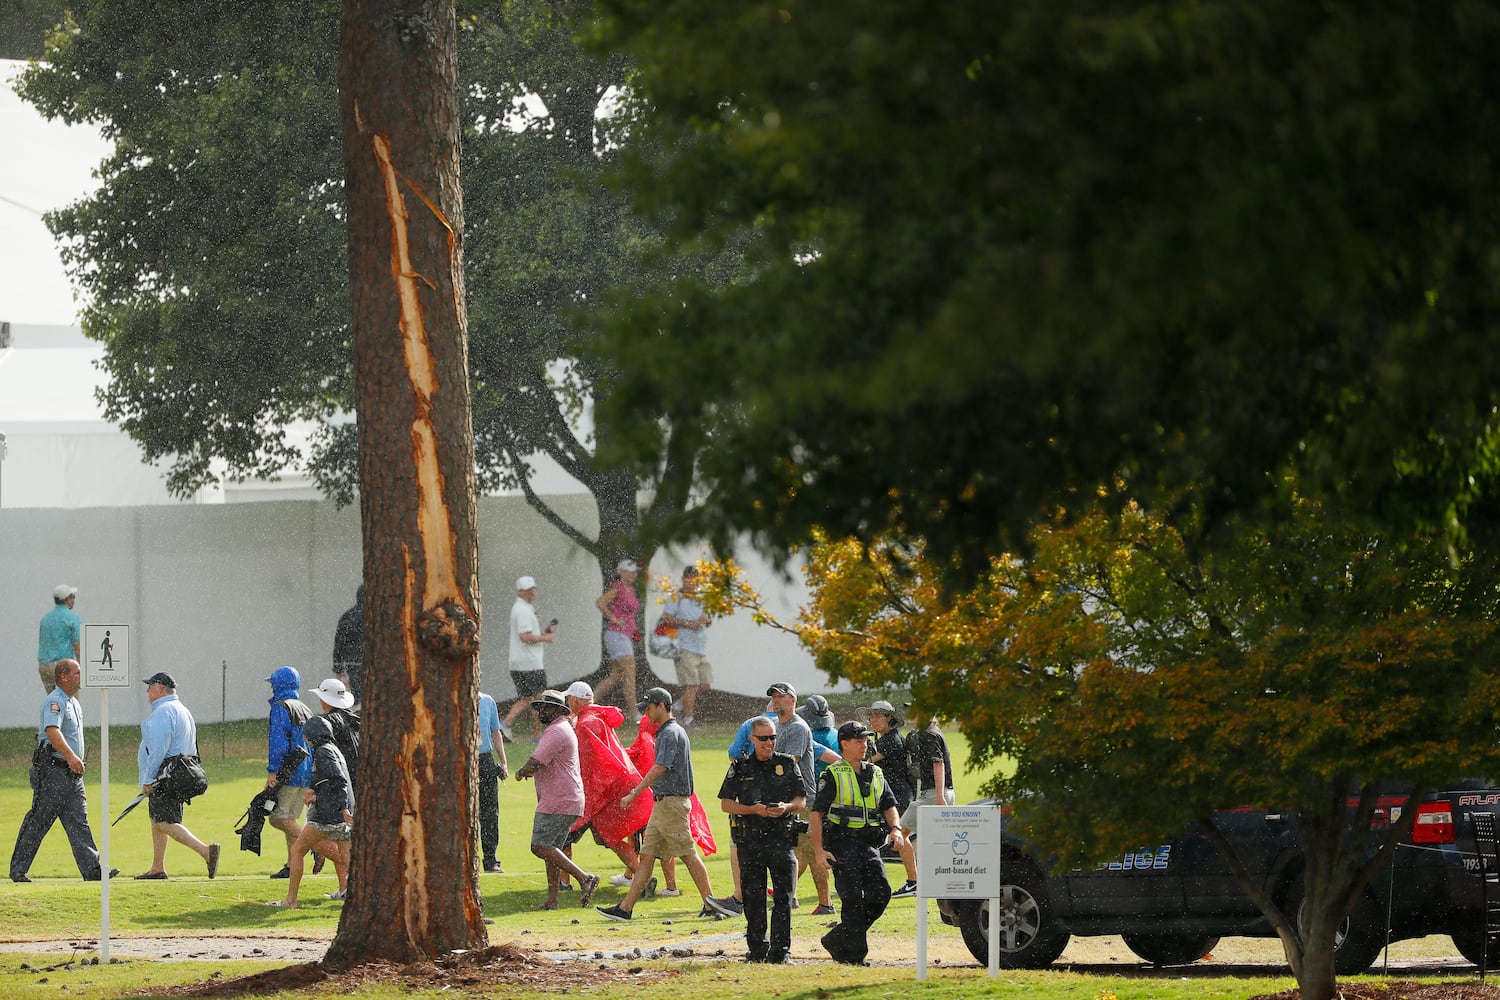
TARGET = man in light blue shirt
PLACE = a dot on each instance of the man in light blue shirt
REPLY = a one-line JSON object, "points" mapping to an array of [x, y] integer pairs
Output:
{"points": [[60, 635], [57, 780], [169, 731], [491, 773]]}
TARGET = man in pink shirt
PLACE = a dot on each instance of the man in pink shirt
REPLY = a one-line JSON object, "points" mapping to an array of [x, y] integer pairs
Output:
{"points": [[559, 796]]}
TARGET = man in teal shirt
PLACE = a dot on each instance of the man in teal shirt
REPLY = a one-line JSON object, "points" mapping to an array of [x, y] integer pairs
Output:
{"points": [[60, 636]]}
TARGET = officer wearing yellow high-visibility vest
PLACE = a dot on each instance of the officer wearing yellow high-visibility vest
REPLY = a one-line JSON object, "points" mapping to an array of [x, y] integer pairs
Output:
{"points": [[853, 814]]}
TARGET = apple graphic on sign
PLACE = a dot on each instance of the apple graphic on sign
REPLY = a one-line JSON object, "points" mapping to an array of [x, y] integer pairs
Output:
{"points": [[961, 844]]}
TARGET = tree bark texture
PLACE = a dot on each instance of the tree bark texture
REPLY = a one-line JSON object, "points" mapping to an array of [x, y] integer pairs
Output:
{"points": [[415, 891]]}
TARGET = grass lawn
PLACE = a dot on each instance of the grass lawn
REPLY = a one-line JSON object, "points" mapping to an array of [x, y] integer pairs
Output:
{"points": [[59, 906]]}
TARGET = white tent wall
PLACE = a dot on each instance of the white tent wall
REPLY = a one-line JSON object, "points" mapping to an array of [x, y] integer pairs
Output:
{"points": [[258, 585]]}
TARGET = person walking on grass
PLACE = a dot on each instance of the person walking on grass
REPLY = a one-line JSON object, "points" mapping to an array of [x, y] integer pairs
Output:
{"points": [[330, 814], [853, 814], [762, 794], [559, 796], [57, 766], [528, 648], [620, 605], [169, 731], [669, 833]]}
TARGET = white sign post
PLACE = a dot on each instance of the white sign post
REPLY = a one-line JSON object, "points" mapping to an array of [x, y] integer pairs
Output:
{"points": [[958, 857], [106, 664]]}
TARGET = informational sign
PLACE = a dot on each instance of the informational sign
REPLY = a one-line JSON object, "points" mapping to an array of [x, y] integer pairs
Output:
{"points": [[958, 857], [106, 656], [959, 852]]}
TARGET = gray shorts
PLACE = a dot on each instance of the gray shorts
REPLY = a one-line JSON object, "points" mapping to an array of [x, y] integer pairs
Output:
{"points": [[929, 797], [551, 829], [617, 645]]}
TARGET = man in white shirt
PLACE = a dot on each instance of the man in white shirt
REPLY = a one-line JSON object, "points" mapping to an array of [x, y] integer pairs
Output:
{"points": [[527, 638], [694, 672]]}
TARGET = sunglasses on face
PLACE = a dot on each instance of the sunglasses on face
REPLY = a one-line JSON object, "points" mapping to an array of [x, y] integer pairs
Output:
{"points": [[764, 739]]}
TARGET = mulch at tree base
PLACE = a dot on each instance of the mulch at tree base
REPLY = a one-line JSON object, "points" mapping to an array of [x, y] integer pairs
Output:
{"points": [[1403, 990], [504, 964]]}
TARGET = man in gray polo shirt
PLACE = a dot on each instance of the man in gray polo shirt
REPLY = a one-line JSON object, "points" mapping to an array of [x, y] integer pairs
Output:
{"points": [[668, 834]]}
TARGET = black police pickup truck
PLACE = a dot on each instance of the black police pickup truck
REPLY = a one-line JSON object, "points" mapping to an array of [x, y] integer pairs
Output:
{"points": [[1171, 902]]}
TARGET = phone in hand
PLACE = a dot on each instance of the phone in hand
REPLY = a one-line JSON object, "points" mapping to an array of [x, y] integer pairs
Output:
{"points": [[552, 625]]}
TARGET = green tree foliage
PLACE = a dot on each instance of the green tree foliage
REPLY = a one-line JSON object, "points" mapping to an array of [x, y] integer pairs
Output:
{"points": [[213, 257], [1335, 655], [24, 25], [1014, 250]]}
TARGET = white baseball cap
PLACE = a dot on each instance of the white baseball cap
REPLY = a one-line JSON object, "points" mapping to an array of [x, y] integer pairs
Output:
{"points": [[333, 692], [62, 592], [525, 582], [627, 566], [579, 689]]}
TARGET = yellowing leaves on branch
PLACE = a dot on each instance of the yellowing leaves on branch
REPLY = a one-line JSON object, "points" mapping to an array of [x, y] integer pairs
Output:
{"points": [[1139, 680]]}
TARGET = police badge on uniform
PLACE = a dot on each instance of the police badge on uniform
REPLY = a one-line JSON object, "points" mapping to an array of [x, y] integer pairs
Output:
{"points": [[779, 770]]}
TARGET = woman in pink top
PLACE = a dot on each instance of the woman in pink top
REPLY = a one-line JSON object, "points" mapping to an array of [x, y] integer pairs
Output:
{"points": [[620, 606]]}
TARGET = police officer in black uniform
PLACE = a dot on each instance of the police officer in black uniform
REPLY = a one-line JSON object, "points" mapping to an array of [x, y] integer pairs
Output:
{"points": [[853, 814], [761, 794]]}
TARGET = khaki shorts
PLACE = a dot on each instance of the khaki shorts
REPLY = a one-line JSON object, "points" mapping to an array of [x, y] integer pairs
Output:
{"points": [[290, 801], [668, 835], [693, 669], [803, 848]]}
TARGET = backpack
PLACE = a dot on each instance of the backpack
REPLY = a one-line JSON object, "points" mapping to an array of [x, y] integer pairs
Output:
{"points": [[914, 761], [345, 726]]}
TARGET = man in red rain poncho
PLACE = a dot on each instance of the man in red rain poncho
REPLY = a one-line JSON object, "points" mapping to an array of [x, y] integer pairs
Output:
{"points": [[608, 775]]}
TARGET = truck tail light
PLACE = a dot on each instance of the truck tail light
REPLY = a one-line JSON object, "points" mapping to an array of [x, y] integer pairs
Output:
{"points": [[1434, 824]]}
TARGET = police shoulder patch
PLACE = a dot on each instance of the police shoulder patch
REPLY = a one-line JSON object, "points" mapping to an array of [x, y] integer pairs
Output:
{"points": [[53, 706]]}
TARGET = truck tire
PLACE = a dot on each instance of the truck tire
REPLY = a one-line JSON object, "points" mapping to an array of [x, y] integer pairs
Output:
{"points": [[1030, 936], [1170, 949], [1359, 939], [1471, 943]]}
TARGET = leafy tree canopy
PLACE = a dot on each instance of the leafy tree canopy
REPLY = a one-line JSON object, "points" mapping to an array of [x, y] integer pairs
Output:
{"points": [[1127, 677], [213, 256], [1010, 252]]}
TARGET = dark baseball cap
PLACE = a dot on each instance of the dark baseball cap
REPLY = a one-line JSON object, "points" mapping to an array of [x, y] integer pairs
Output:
{"points": [[162, 678], [781, 687], [853, 731], [655, 696]]}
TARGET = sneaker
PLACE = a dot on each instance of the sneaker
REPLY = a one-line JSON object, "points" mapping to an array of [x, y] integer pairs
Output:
{"points": [[565, 887], [650, 891], [336, 894], [709, 911], [318, 862], [796, 902], [622, 880], [668, 893], [506, 734], [824, 910], [908, 889], [493, 868], [614, 912], [286, 872], [19, 878], [729, 906]]}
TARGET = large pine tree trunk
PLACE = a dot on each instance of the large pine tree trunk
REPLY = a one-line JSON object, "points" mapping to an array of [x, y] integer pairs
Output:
{"points": [[415, 892]]}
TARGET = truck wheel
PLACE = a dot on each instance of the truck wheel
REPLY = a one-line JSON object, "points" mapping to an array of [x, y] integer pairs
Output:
{"points": [[1030, 937], [1170, 949], [1471, 943], [1357, 942]]}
